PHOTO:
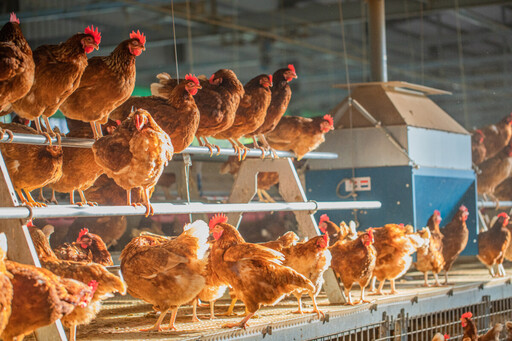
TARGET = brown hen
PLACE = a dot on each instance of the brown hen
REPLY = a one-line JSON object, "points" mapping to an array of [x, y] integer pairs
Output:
{"points": [[300, 134], [135, 154], [497, 136], [311, 259], [57, 75], [493, 244], [107, 283], [5, 293], [166, 272], [254, 272], [89, 247], [217, 102], [30, 166], [455, 239], [115, 72], [494, 171], [478, 152], [281, 95], [433, 259], [250, 114], [40, 298], [354, 261], [177, 115], [16, 64]]}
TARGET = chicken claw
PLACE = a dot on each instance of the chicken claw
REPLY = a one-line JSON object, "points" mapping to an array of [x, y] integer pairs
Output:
{"points": [[318, 313], [8, 132], [242, 324]]}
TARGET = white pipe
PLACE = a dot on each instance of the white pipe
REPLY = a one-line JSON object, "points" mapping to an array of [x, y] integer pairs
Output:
{"points": [[68, 211]]}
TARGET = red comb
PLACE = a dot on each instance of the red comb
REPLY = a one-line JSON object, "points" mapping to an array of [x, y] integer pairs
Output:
{"points": [[217, 219], [93, 285], [463, 208], [94, 33], [270, 78], [467, 315], [324, 217], [291, 67], [436, 212], [30, 223], [479, 132], [503, 215], [329, 119], [193, 78], [82, 233], [139, 36], [118, 122], [446, 336], [13, 18]]}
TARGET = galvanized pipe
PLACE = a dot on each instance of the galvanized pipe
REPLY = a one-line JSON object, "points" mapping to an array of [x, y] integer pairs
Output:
{"points": [[492, 204], [71, 211], [377, 25], [87, 143]]}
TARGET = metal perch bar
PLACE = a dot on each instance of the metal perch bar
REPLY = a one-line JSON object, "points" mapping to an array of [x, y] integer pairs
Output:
{"points": [[68, 211], [492, 204], [87, 143]]}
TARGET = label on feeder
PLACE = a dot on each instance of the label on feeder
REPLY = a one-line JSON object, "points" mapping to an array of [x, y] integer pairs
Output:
{"points": [[361, 184]]}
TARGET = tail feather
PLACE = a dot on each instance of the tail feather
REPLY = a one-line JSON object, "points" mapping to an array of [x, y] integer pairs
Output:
{"points": [[162, 89], [301, 281], [201, 231]]}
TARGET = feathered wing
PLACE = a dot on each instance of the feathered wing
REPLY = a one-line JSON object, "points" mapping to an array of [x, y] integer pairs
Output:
{"points": [[110, 145], [247, 251], [152, 260], [10, 61]]}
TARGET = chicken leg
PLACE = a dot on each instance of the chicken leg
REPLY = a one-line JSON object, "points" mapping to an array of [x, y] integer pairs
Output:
{"points": [[315, 307], [299, 301], [156, 326], [84, 200], [50, 132], [40, 131], [172, 320], [29, 201], [393, 289], [239, 148], [72, 333], [425, 279], [194, 311], [229, 312], [242, 324], [264, 196], [348, 296], [362, 300], [149, 207]]}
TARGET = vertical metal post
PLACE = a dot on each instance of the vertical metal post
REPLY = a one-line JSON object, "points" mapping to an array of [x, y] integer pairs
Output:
{"points": [[290, 188], [20, 247], [378, 54]]}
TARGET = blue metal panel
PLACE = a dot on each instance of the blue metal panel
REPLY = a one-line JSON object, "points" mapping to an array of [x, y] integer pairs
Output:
{"points": [[446, 190], [390, 185], [408, 195]]}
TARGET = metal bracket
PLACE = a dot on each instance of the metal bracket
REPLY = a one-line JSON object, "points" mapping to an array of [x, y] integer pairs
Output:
{"points": [[290, 188], [21, 249]]}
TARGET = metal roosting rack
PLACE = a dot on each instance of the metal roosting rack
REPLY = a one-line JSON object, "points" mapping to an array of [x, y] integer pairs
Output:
{"points": [[13, 216]]}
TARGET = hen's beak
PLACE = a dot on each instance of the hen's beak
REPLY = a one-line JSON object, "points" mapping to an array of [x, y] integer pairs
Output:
{"points": [[143, 48], [96, 47]]}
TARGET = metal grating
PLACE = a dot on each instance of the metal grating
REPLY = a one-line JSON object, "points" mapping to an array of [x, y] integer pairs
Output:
{"points": [[423, 327]]}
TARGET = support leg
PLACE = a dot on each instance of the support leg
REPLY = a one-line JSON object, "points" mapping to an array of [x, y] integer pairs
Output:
{"points": [[299, 302], [212, 310], [393, 289], [172, 321], [72, 197]]}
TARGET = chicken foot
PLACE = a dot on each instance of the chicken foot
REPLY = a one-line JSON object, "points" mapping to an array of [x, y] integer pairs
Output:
{"points": [[156, 326], [242, 324], [208, 145], [393, 289], [172, 321], [256, 146], [436, 277], [348, 296], [84, 200], [267, 146], [315, 307], [50, 132], [149, 207], [41, 196], [239, 148], [40, 131], [501, 270], [29, 201], [425, 279], [8, 132], [229, 312], [362, 300]]}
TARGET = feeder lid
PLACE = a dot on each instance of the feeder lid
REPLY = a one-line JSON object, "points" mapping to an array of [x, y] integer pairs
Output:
{"points": [[394, 104]]}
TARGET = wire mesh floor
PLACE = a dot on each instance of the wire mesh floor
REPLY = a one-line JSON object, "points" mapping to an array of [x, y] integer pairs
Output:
{"points": [[122, 317]]}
